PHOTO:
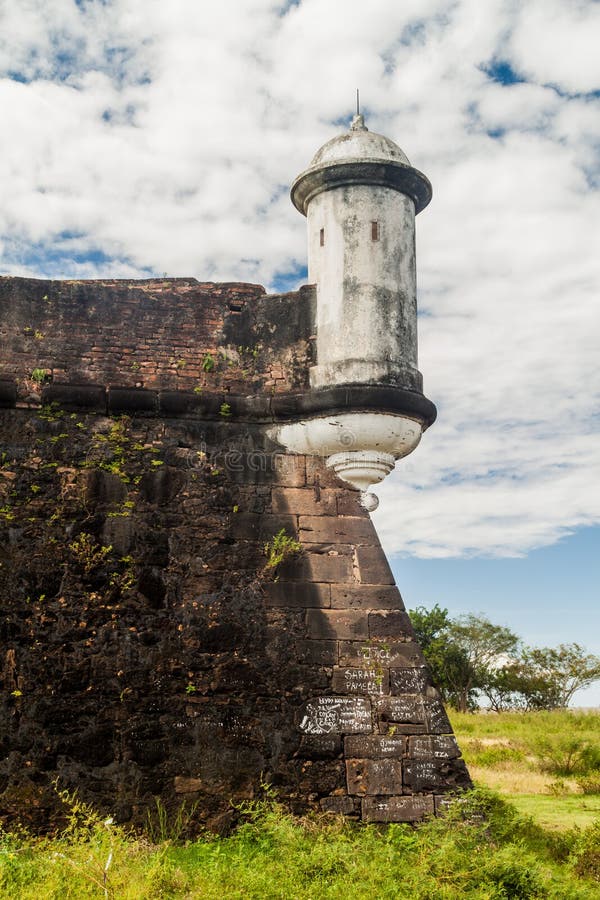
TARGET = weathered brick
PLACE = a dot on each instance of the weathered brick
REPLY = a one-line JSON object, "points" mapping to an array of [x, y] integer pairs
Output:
{"points": [[318, 473], [366, 596], [318, 653], [374, 776], [289, 470], [296, 594], [360, 681], [304, 501], [328, 567], [373, 567], [433, 747], [396, 809], [375, 746], [402, 709], [344, 529], [348, 504], [320, 746], [439, 775], [339, 805], [390, 624], [185, 785], [254, 527], [337, 624], [410, 680], [396, 653], [437, 718], [335, 715]]}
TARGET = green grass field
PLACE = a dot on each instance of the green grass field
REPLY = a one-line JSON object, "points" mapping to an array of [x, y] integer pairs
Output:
{"points": [[542, 762], [540, 840]]}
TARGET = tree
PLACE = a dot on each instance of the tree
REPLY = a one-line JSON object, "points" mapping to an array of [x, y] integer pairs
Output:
{"points": [[517, 686], [567, 667], [460, 652], [432, 628], [482, 645], [470, 655]]}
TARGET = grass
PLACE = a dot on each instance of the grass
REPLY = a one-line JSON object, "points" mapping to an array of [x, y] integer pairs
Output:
{"points": [[537, 760], [558, 813], [481, 850], [541, 842]]}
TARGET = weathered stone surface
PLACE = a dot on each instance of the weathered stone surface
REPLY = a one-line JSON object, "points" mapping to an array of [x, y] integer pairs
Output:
{"points": [[390, 624], [304, 501], [374, 776], [187, 785], [397, 809], [433, 747], [318, 653], [296, 594], [327, 567], [380, 653], [348, 504], [373, 567], [337, 624], [254, 527], [340, 805], [375, 746], [437, 719], [331, 715], [337, 529], [409, 708], [437, 775], [365, 596], [145, 650], [320, 746], [372, 681], [409, 680]]}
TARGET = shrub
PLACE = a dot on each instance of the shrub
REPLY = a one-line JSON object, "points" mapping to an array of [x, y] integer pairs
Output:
{"points": [[589, 784], [279, 548], [585, 856], [563, 754], [514, 874]]}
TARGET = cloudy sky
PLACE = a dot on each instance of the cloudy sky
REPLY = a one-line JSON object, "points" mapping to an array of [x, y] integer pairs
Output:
{"points": [[142, 137]]}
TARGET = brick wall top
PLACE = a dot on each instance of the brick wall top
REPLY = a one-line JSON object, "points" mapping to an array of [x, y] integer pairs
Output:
{"points": [[165, 334]]}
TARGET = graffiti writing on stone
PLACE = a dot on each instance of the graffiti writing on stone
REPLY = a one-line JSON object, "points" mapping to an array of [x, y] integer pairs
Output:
{"points": [[327, 715], [360, 681], [409, 681]]}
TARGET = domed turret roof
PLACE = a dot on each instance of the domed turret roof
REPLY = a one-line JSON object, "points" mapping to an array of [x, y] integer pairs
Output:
{"points": [[362, 157], [359, 144]]}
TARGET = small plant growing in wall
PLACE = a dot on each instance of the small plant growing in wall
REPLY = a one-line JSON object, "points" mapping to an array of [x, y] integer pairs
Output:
{"points": [[87, 554], [281, 547], [225, 410], [39, 376], [208, 363]]}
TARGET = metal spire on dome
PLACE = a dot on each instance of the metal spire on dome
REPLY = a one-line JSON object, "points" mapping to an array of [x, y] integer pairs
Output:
{"points": [[358, 121]]}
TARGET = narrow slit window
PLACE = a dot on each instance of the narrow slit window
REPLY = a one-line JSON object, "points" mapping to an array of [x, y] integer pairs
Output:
{"points": [[322, 237], [374, 231]]}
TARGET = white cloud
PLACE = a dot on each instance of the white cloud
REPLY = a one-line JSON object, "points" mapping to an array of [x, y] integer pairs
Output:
{"points": [[164, 137]]}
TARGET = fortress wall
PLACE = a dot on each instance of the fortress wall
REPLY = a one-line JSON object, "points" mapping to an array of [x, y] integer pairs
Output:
{"points": [[176, 334], [146, 648]]}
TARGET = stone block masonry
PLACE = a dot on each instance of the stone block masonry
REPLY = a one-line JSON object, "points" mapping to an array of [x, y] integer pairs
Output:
{"points": [[146, 650]]}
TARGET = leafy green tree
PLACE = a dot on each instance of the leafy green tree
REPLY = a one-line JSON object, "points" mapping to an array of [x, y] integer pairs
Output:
{"points": [[567, 667], [541, 678], [448, 662], [482, 645], [516, 686], [471, 656]]}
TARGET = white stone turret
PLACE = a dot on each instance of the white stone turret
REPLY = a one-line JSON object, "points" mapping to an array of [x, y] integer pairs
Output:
{"points": [[360, 195]]}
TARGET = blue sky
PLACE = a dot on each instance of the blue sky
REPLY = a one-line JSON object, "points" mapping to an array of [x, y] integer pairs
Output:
{"points": [[548, 597], [149, 138]]}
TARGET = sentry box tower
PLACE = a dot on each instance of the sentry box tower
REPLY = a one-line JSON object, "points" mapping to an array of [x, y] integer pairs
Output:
{"points": [[360, 196]]}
